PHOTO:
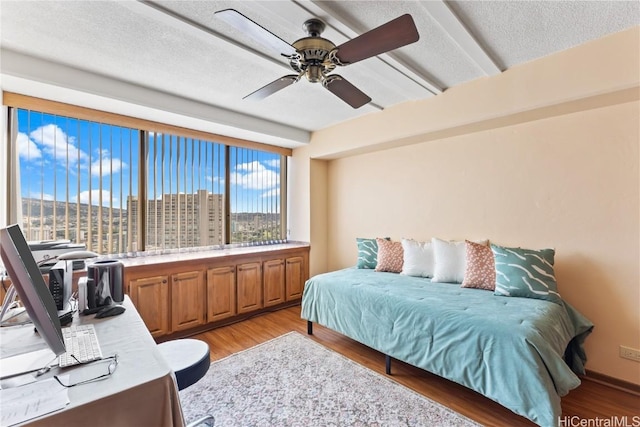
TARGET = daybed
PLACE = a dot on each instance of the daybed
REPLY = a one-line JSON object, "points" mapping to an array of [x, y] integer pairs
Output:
{"points": [[523, 353]]}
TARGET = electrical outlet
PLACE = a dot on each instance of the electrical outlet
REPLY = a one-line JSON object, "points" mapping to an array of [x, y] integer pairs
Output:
{"points": [[630, 353]]}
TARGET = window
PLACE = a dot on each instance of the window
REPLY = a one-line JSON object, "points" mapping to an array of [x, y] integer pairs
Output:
{"points": [[255, 196], [104, 184], [74, 178], [185, 192]]}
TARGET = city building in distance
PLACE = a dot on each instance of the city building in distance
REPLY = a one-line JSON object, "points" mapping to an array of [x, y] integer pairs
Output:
{"points": [[182, 220]]}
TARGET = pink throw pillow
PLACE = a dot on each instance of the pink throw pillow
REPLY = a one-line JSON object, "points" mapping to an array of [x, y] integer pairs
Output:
{"points": [[390, 256], [480, 272]]}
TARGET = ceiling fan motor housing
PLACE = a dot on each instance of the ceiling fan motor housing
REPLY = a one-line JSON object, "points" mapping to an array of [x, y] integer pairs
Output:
{"points": [[312, 56]]}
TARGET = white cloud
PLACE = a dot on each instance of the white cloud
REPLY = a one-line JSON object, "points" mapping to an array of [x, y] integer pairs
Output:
{"points": [[95, 200], [51, 140], [27, 148], [54, 142], [36, 196], [250, 167], [84, 196], [274, 192], [273, 163], [254, 176], [109, 165]]}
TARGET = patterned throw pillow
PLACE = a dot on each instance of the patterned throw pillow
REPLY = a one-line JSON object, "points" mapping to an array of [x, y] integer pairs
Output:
{"points": [[418, 258], [480, 272], [367, 253], [450, 260], [525, 273], [390, 256]]}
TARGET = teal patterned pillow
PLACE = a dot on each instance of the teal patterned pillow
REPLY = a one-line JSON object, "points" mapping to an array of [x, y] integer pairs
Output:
{"points": [[525, 273], [367, 253]]}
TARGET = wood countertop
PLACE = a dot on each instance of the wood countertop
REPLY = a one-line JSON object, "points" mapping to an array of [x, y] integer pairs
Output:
{"points": [[143, 259]]}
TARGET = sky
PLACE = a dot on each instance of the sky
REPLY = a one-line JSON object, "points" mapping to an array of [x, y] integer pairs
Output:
{"points": [[89, 157]]}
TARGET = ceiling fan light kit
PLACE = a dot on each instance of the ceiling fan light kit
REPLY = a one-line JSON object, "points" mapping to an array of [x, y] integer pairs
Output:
{"points": [[315, 57]]}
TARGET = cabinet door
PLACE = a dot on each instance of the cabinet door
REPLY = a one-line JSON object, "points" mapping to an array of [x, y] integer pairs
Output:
{"points": [[187, 300], [249, 284], [295, 277], [221, 293], [273, 280], [150, 295]]}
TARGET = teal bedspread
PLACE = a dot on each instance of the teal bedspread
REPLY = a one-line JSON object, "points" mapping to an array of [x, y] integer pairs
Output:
{"points": [[511, 350]]}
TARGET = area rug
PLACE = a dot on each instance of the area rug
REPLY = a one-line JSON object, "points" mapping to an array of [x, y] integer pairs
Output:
{"points": [[294, 381]]}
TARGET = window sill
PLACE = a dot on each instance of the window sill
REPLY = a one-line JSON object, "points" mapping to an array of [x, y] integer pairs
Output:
{"points": [[141, 259]]}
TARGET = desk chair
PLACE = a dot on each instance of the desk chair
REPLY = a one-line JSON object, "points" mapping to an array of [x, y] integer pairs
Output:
{"points": [[189, 360]]}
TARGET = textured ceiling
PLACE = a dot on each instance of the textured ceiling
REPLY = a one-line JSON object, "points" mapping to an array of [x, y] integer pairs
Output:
{"points": [[517, 32], [180, 49]]}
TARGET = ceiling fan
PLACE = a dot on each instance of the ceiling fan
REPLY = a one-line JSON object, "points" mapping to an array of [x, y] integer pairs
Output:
{"points": [[315, 57]]}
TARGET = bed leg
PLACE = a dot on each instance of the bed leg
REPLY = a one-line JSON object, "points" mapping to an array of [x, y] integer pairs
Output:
{"points": [[309, 327], [387, 362]]}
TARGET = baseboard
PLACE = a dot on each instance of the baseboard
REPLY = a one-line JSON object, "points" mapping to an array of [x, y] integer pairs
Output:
{"points": [[612, 382]]}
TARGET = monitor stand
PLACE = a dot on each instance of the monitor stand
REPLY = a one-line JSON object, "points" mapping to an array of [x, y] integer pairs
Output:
{"points": [[11, 313], [15, 316]]}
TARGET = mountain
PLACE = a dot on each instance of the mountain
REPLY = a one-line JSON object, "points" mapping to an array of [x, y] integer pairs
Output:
{"points": [[36, 209]]}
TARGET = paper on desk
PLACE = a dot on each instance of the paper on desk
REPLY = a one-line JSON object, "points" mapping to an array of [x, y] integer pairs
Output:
{"points": [[27, 362], [29, 401]]}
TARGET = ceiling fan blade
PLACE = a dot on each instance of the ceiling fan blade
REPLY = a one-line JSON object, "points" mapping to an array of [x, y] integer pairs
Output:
{"points": [[344, 90], [273, 87], [392, 35], [255, 31]]}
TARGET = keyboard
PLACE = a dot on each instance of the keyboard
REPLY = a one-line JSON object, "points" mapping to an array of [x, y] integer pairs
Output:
{"points": [[81, 342]]}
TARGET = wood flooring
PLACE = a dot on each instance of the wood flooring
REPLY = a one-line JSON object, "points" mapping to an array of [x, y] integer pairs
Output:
{"points": [[589, 401]]}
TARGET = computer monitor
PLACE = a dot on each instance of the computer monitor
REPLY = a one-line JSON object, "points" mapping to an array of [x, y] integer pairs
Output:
{"points": [[29, 283]]}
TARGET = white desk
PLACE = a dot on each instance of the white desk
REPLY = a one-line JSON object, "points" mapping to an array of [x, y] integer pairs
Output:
{"points": [[141, 392]]}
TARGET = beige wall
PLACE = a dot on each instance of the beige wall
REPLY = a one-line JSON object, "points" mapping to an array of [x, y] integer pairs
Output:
{"points": [[569, 182], [544, 155], [307, 184]]}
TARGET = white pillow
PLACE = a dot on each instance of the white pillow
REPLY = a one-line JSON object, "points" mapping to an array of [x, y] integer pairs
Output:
{"points": [[418, 258], [450, 260]]}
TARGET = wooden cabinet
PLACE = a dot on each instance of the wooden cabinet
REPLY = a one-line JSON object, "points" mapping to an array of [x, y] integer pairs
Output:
{"points": [[273, 282], [169, 303], [221, 293], [150, 295], [187, 300], [249, 287], [295, 277], [180, 296]]}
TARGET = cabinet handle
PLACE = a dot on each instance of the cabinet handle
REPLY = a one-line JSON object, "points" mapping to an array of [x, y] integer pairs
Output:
{"points": [[164, 281]]}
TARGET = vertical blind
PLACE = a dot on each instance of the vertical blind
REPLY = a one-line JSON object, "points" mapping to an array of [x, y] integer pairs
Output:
{"points": [[255, 192], [74, 175], [185, 192], [118, 189]]}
